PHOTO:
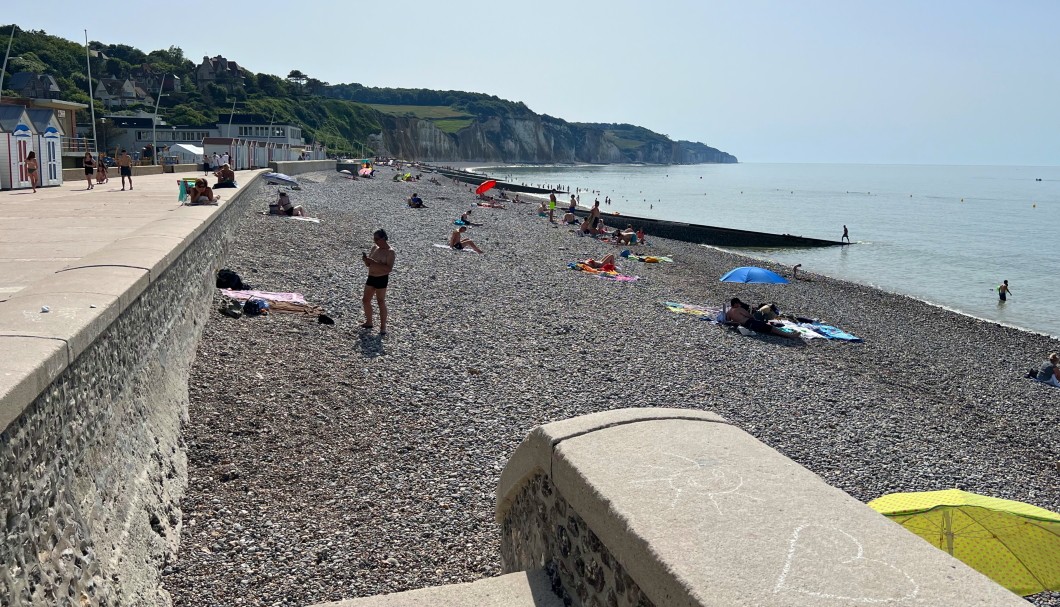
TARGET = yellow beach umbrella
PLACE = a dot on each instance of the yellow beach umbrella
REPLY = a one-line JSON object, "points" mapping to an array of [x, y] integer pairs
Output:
{"points": [[1015, 544]]}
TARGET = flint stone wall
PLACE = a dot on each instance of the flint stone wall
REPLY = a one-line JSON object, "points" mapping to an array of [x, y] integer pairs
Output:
{"points": [[542, 531], [93, 469]]}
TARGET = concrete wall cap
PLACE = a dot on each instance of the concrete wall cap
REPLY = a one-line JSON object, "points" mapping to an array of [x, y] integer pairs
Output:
{"points": [[29, 364], [705, 514], [535, 452]]}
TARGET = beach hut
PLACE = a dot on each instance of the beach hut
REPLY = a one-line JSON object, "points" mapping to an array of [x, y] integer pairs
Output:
{"points": [[48, 144], [261, 155], [16, 142]]}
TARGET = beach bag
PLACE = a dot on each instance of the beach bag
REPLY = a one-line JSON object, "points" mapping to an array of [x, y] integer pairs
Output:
{"points": [[255, 307], [227, 279]]}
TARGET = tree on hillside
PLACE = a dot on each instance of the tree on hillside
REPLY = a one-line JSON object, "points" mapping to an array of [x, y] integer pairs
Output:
{"points": [[272, 86], [316, 87], [298, 78]]}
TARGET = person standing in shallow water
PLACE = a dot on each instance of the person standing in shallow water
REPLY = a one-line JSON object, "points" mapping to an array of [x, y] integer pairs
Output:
{"points": [[380, 261], [1003, 291], [846, 236]]}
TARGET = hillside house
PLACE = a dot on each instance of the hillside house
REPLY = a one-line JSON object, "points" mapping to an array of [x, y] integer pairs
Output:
{"points": [[118, 92], [34, 86], [219, 71]]}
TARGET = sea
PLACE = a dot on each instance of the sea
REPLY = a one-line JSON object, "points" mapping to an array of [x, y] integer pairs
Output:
{"points": [[948, 235]]}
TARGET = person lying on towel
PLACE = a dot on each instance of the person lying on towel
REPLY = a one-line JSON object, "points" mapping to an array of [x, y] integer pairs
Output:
{"points": [[739, 314], [202, 194], [607, 264]]}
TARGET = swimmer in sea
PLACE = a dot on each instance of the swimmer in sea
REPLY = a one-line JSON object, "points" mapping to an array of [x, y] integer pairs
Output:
{"points": [[1003, 291]]}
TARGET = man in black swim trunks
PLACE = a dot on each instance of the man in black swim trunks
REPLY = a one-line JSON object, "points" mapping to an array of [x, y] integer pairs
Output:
{"points": [[380, 261], [125, 168]]}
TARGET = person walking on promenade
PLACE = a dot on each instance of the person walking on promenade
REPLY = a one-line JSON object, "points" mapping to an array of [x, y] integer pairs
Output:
{"points": [[205, 163], [31, 170], [380, 261], [125, 169], [1003, 291], [846, 235], [90, 168]]}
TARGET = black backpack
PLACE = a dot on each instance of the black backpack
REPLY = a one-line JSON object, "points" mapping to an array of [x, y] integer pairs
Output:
{"points": [[227, 279]]}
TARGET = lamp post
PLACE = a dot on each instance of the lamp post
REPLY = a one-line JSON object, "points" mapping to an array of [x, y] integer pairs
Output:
{"points": [[103, 121], [154, 122]]}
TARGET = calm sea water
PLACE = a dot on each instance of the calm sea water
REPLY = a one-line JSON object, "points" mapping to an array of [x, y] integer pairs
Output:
{"points": [[945, 234]]}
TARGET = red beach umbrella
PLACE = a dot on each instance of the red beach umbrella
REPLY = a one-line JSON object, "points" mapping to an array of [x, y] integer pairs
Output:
{"points": [[486, 185]]}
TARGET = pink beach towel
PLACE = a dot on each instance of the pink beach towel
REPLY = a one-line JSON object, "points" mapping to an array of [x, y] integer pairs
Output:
{"points": [[297, 298]]}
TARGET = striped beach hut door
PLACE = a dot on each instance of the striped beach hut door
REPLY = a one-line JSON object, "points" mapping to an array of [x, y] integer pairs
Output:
{"points": [[52, 173], [23, 139]]}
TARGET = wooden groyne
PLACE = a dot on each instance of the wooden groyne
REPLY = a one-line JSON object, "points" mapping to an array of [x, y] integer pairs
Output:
{"points": [[676, 230], [710, 235]]}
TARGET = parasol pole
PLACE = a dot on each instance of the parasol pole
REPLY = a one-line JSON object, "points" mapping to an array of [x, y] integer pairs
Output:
{"points": [[947, 530]]}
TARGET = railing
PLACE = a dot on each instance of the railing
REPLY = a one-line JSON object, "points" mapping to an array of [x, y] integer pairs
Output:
{"points": [[79, 145]]}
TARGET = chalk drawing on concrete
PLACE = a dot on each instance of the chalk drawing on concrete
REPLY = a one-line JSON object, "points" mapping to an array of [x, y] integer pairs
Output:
{"points": [[828, 563], [704, 477]]}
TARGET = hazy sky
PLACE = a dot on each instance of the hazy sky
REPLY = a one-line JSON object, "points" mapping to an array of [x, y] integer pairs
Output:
{"points": [[915, 82]]}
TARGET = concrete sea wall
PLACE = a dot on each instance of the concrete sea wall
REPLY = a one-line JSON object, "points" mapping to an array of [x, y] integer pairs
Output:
{"points": [[641, 507], [92, 400]]}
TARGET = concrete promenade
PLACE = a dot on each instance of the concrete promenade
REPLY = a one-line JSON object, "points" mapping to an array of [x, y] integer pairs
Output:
{"points": [[86, 254]]}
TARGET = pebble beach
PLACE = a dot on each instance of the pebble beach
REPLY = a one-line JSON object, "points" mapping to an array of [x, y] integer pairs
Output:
{"points": [[327, 462]]}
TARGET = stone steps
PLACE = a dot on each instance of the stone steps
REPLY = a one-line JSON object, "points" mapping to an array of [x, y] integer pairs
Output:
{"points": [[522, 589]]}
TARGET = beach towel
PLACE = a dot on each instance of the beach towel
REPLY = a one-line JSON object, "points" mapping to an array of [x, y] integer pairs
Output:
{"points": [[299, 218], [609, 275], [269, 296], [830, 332], [649, 258], [805, 333], [704, 312], [445, 246]]}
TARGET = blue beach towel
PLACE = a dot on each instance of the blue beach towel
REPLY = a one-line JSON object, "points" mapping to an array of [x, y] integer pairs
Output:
{"points": [[831, 332]]}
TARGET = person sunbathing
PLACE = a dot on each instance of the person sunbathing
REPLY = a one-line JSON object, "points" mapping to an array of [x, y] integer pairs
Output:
{"points": [[458, 242], [226, 177], [416, 202], [569, 218], [1049, 373], [607, 264], [202, 194], [466, 218], [740, 315], [284, 206]]}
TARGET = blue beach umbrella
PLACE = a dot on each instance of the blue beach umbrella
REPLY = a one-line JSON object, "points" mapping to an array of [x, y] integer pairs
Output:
{"points": [[755, 275]]}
